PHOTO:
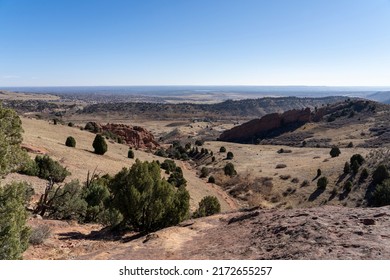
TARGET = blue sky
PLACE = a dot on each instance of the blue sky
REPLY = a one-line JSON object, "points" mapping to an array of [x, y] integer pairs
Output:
{"points": [[195, 42]]}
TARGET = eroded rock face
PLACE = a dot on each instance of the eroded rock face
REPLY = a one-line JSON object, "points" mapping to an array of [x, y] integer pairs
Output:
{"points": [[134, 136], [258, 128]]}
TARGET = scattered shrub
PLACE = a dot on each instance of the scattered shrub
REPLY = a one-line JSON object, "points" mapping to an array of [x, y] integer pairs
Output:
{"points": [[380, 174], [319, 172], [355, 167], [70, 142], [295, 180], [350, 145], [229, 169], [198, 143], [381, 194], [168, 165], [348, 186], [204, 172], [284, 177], [67, 202], [70, 124], [358, 158], [99, 144], [334, 152], [209, 205], [364, 175], [305, 183], [176, 178], [211, 180], [322, 182], [130, 153], [229, 155], [347, 167], [280, 166], [39, 234], [222, 149]]}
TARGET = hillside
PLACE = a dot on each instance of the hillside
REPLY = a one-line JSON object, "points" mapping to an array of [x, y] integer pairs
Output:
{"points": [[315, 233]]}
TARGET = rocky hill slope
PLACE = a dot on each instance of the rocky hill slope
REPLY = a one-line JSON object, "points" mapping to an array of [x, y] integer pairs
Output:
{"points": [[315, 233]]}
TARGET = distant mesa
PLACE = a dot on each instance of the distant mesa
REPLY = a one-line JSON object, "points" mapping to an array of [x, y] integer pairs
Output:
{"points": [[274, 123], [134, 136]]}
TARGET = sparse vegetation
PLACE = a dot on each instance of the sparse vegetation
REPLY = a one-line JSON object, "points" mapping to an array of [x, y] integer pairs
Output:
{"points": [[280, 166], [229, 155], [222, 149]]}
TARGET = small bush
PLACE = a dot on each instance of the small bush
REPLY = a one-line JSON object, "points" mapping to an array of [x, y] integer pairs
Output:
{"points": [[295, 180], [322, 183], [70, 124], [209, 205], [381, 194], [70, 142], [204, 172], [222, 149], [305, 183], [39, 234], [198, 143], [213, 159], [358, 158], [380, 174], [168, 165], [364, 175], [229, 169], [350, 145], [334, 152], [347, 167], [348, 186], [280, 166], [211, 180], [285, 177], [130, 153], [229, 155], [45, 168], [355, 167], [99, 144]]}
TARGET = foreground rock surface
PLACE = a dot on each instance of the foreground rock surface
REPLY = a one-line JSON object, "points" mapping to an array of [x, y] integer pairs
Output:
{"points": [[315, 233]]}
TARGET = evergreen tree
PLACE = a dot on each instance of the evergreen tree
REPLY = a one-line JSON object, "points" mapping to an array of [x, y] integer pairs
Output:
{"points": [[14, 233], [11, 155], [146, 201]]}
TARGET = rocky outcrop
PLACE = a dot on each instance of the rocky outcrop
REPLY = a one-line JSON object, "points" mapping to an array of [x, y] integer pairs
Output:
{"points": [[274, 123], [134, 136]]}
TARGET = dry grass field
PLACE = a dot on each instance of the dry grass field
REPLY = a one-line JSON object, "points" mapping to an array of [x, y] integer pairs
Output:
{"points": [[51, 138]]}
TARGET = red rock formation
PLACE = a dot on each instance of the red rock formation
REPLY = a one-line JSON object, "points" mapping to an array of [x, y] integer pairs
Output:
{"points": [[134, 136], [260, 127]]}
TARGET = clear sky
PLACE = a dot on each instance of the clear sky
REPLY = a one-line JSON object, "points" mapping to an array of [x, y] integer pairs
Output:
{"points": [[194, 42]]}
